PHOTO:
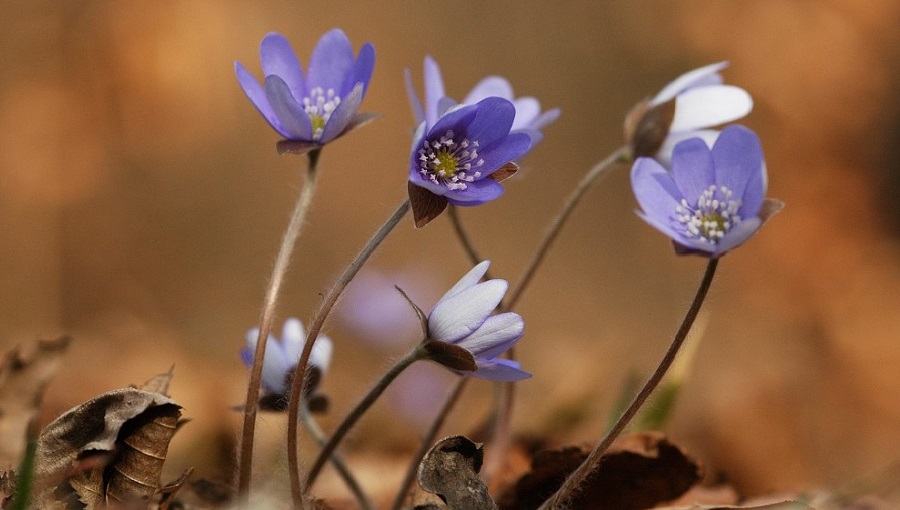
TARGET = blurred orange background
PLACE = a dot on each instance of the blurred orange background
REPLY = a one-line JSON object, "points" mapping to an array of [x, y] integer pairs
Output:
{"points": [[142, 201]]}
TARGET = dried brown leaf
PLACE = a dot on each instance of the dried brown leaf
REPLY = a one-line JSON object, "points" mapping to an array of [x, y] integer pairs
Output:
{"points": [[23, 378], [83, 441], [159, 383], [785, 505], [640, 471], [171, 489], [450, 470]]}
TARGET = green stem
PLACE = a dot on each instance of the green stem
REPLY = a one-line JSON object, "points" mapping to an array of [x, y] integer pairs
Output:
{"points": [[298, 384], [428, 440], [572, 483], [282, 261], [360, 409], [339, 465]]}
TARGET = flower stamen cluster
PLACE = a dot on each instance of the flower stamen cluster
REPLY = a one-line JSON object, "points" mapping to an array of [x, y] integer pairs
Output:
{"points": [[449, 162], [319, 105], [715, 214]]}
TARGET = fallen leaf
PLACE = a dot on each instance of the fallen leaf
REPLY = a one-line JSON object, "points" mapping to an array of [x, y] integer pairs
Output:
{"points": [[450, 470]]}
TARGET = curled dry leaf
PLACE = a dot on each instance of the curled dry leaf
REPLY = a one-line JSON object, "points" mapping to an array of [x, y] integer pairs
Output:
{"points": [[112, 447], [640, 471], [24, 374], [159, 383], [785, 505], [450, 470]]}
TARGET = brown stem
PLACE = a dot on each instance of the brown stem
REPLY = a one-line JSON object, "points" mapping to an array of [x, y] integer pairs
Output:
{"points": [[559, 499], [282, 261], [298, 384]]}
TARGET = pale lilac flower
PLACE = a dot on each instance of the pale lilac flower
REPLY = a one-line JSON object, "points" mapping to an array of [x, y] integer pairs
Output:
{"points": [[712, 200], [319, 106], [696, 101], [528, 119], [462, 317], [282, 355]]}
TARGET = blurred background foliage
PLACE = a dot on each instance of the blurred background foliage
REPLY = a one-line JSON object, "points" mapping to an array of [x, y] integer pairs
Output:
{"points": [[142, 200]]}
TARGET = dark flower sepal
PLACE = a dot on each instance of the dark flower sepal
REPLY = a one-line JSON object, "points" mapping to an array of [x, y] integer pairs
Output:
{"points": [[646, 127], [450, 355], [427, 206]]}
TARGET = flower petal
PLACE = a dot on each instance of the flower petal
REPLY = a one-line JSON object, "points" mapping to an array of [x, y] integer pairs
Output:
{"points": [[476, 193], [294, 120], [664, 155], [492, 86], [740, 167], [512, 148], [666, 228], [458, 316], [655, 190], [499, 370], [693, 169], [706, 75], [737, 235], [331, 62], [342, 115], [469, 280], [546, 118], [495, 336], [710, 106], [293, 338], [418, 111], [527, 110], [493, 121], [362, 69], [434, 90], [257, 95], [321, 354], [278, 58]]}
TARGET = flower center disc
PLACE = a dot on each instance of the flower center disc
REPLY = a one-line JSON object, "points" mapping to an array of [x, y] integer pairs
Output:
{"points": [[714, 215], [319, 105]]}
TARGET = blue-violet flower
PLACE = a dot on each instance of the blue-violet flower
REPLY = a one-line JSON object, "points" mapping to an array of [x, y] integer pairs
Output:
{"points": [[282, 356], [528, 119], [686, 108], [713, 199], [462, 317], [317, 107]]}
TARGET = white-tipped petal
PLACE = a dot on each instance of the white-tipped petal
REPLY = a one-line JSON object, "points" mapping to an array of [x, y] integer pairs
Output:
{"points": [[469, 280], [495, 336], [710, 106], [706, 75], [460, 315], [321, 353]]}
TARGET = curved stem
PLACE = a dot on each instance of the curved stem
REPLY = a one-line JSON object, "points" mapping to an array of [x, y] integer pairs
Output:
{"points": [[621, 155], [298, 384], [316, 432], [559, 499], [428, 440], [282, 261], [360, 409]]}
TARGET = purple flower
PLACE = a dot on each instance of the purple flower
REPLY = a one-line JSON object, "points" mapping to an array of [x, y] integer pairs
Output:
{"points": [[528, 119], [713, 199], [462, 317], [320, 106], [684, 109], [282, 356]]}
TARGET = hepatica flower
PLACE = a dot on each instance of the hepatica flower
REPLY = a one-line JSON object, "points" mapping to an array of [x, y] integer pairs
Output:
{"points": [[685, 108], [311, 109], [528, 119], [281, 358], [713, 199], [462, 318]]}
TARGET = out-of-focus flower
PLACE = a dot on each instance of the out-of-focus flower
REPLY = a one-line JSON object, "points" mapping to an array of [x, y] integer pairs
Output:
{"points": [[713, 199], [463, 156], [282, 356], [462, 318], [318, 107], [528, 119], [685, 108]]}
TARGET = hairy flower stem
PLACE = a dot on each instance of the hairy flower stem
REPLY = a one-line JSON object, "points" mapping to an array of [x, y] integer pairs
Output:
{"points": [[506, 397], [310, 424], [621, 155], [360, 409], [572, 483], [265, 322], [298, 383], [428, 440]]}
